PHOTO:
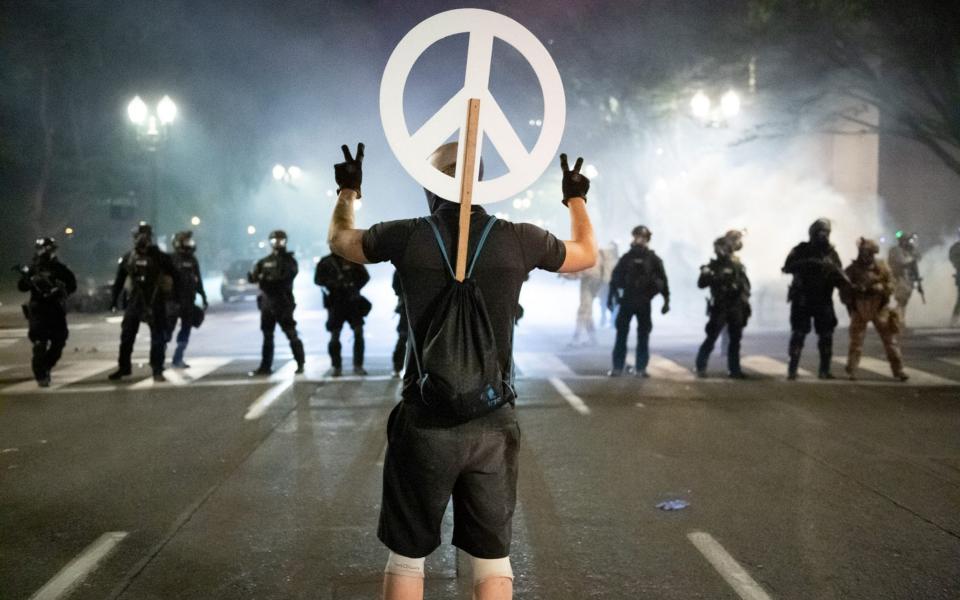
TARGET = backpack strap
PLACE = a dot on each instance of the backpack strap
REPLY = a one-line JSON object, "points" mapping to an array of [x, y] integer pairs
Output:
{"points": [[443, 249], [483, 239]]}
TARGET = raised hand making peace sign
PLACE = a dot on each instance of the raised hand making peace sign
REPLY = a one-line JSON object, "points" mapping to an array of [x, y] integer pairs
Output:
{"points": [[575, 184], [349, 173]]}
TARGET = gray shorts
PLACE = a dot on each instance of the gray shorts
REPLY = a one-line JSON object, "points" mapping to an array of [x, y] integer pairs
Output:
{"points": [[475, 462]]}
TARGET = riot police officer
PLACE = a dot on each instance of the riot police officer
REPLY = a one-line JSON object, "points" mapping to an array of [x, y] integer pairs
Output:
{"points": [[182, 306], [955, 261], [153, 280], [342, 281], [275, 274], [400, 349], [49, 282], [816, 271], [636, 280], [729, 304], [904, 262]]}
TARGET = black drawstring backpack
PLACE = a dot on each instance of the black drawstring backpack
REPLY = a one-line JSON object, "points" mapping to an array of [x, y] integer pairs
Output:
{"points": [[459, 375]]}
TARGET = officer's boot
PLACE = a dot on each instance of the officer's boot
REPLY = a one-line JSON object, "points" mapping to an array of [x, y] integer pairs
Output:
{"points": [[358, 349], [794, 351], [336, 360], [178, 356], [733, 359], [39, 363], [296, 346], [703, 355], [825, 346]]}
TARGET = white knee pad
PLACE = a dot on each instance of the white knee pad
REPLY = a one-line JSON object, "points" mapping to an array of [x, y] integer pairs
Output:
{"points": [[404, 567], [487, 568]]}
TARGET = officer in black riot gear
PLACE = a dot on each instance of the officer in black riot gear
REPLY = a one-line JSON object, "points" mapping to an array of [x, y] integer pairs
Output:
{"points": [[275, 274], [49, 282], [729, 304], [153, 279], [342, 281], [182, 306], [638, 277], [817, 271]]}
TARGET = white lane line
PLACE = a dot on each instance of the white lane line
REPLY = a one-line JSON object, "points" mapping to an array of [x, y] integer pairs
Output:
{"points": [[568, 395], [79, 568], [542, 364], [15, 332], [917, 377], [261, 404], [731, 571], [69, 373], [769, 366], [664, 368], [955, 361], [285, 372]]}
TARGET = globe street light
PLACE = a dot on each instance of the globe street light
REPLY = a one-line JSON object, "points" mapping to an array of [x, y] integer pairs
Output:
{"points": [[286, 174], [151, 129]]}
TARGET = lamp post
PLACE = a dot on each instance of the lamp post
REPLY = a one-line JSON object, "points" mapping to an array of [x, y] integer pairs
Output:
{"points": [[152, 132], [715, 115]]}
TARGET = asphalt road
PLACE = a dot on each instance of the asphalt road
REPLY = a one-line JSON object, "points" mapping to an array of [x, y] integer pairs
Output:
{"points": [[216, 486]]}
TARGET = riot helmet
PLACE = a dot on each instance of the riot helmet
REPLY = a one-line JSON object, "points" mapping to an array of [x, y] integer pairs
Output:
{"points": [[444, 159], [734, 238], [641, 235], [722, 247], [278, 240], [867, 249], [907, 240], [142, 235], [820, 231], [45, 248], [183, 242]]}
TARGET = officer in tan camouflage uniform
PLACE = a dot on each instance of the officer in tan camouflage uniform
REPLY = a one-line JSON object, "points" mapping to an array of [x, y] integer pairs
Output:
{"points": [[871, 284]]}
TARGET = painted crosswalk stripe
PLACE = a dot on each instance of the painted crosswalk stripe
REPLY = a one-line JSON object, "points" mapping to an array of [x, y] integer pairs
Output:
{"points": [[114, 319], [533, 364], [63, 376], [568, 395], [199, 367], [951, 360], [16, 332], [79, 568], [731, 571], [6, 343], [261, 404], [661, 367], [917, 377], [772, 367]]}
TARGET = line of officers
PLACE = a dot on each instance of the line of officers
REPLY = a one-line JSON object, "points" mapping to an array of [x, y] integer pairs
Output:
{"points": [[865, 288], [160, 289]]}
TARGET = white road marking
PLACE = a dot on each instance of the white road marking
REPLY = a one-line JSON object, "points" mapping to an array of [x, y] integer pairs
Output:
{"points": [[917, 377], [731, 571], [955, 361], [246, 318], [15, 332], [69, 373], [115, 319], [285, 372], [772, 367], [261, 404], [199, 367], [81, 326], [568, 395], [542, 364], [641, 405], [664, 368], [79, 568], [6, 343]]}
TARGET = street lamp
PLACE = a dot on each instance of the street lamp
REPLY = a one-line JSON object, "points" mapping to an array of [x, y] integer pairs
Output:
{"points": [[251, 230], [286, 174], [712, 114], [195, 221], [151, 128]]}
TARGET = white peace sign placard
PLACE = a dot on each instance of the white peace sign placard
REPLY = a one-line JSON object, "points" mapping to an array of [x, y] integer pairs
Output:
{"points": [[412, 150]]}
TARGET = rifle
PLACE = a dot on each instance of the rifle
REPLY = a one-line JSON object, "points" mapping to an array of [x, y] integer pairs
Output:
{"points": [[923, 296]]}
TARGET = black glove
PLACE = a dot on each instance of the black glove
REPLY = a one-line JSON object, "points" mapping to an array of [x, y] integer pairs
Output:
{"points": [[574, 184], [666, 307], [349, 173]]}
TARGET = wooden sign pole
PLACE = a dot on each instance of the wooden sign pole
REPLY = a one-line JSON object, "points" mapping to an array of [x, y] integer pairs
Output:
{"points": [[466, 186]]}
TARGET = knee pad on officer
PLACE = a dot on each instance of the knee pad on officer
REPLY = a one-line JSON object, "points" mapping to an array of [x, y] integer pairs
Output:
{"points": [[488, 568], [404, 566]]}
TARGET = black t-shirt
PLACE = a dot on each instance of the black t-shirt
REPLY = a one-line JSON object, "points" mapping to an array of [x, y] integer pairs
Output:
{"points": [[511, 251]]}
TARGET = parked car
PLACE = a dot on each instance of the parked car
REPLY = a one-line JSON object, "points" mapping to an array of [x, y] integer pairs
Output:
{"points": [[93, 295], [234, 285]]}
